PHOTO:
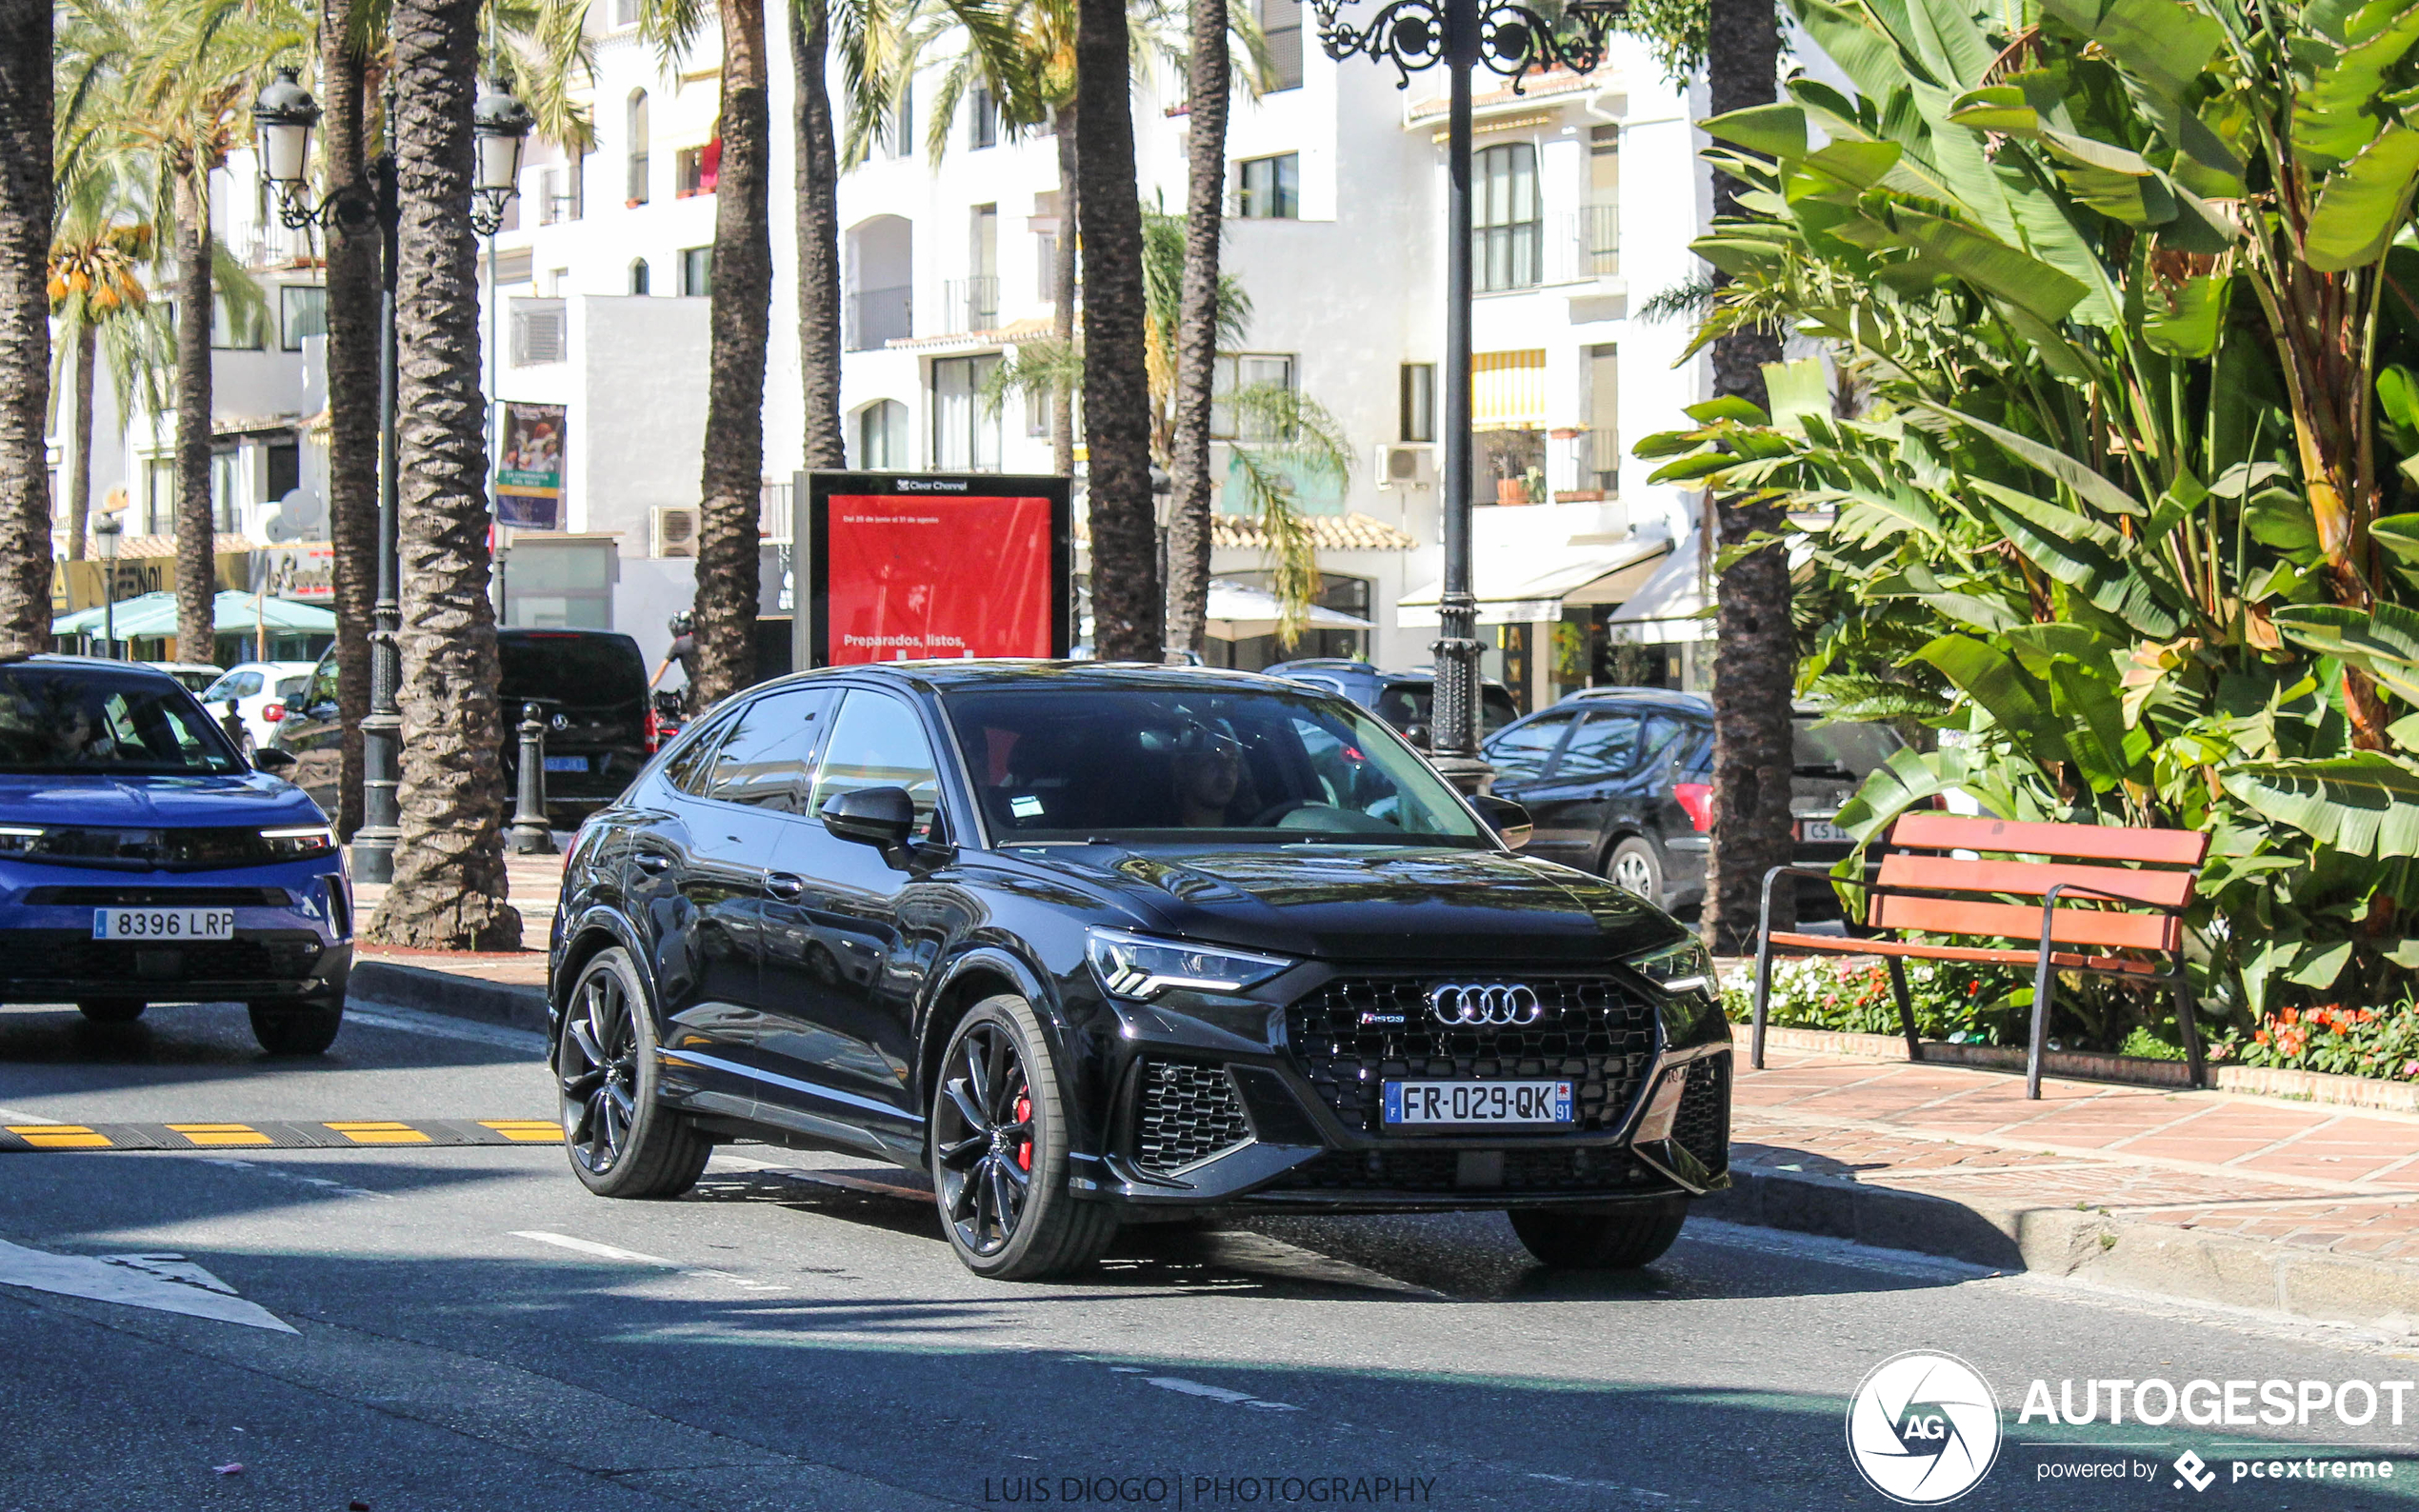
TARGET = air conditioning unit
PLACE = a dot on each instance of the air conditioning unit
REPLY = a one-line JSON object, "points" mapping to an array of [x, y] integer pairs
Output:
{"points": [[1411, 466], [676, 526]]}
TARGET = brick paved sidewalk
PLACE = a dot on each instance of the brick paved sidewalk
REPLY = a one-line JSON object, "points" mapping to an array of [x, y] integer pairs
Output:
{"points": [[2299, 1207]]}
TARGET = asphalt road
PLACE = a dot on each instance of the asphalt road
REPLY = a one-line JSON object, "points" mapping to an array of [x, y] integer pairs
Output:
{"points": [[470, 1329]]}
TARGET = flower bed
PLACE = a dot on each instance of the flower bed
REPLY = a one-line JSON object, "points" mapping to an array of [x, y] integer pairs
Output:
{"points": [[1956, 1003], [2332, 1038]]}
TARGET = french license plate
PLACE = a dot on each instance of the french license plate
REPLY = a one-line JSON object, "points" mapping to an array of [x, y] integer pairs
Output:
{"points": [[566, 764], [163, 923], [1478, 1103], [1823, 832]]}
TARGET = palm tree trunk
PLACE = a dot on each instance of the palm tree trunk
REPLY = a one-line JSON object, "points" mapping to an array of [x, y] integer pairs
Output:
{"points": [[87, 348], [1756, 667], [1197, 331], [818, 192], [1126, 607], [449, 887], [1063, 286], [353, 391], [25, 325], [741, 315], [196, 522]]}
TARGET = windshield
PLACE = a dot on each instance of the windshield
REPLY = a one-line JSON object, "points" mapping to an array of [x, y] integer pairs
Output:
{"points": [[1846, 750], [1403, 705], [569, 667], [56, 720], [1205, 763]]}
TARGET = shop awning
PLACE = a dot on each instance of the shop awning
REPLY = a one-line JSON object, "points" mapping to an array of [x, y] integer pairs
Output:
{"points": [[1668, 608], [1239, 612], [1513, 587], [155, 614]]}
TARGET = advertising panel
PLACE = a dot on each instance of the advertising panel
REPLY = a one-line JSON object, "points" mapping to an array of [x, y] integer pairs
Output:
{"points": [[529, 475], [906, 567]]}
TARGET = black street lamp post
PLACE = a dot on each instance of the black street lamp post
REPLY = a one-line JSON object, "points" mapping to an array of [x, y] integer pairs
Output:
{"points": [[283, 118], [1463, 36]]}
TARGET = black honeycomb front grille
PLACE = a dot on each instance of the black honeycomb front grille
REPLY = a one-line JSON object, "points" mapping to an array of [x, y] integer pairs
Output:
{"points": [[1186, 1114], [56, 955], [1354, 1034], [1702, 1125]]}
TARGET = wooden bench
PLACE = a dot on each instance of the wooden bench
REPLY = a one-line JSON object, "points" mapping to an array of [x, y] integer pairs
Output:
{"points": [[2123, 920]]}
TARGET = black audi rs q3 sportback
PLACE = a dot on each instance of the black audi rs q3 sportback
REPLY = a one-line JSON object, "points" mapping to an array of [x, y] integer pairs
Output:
{"points": [[1096, 944]]}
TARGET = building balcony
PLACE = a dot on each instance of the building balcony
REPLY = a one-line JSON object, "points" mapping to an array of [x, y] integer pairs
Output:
{"points": [[879, 316]]}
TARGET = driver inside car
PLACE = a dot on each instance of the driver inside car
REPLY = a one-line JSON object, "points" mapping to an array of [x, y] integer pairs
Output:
{"points": [[1208, 774]]}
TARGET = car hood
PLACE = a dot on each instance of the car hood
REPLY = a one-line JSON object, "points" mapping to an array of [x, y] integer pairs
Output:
{"points": [[138, 803], [1380, 903]]}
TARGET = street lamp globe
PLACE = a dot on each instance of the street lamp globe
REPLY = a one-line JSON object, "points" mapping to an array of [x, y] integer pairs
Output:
{"points": [[282, 121], [500, 123], [104, 533]]}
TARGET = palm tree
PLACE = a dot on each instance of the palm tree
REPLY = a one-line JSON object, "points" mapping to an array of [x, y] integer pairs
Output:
{"points": [[448, 889], [355, 328], [1197, 334], [816, 188], [98, 299], [1755, 671], [24, 325]]}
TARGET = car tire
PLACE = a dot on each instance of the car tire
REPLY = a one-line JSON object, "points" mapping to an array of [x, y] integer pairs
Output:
{"points": [[1000, 1132], [1630, 1236], [1636, 867], [111, 1010], [621, 1139], [298, 1026]]}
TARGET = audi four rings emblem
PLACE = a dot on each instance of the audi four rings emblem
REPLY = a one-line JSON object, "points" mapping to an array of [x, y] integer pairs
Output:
{"points": [[1500, 1002]]}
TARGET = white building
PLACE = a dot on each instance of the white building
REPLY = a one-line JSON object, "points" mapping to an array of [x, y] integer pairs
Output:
{"points": [[1589, 193]]}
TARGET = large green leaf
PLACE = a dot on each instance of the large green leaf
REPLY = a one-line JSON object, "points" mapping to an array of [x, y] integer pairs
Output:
{"points": [[2093, 725], [2090, 558], [2364, 805], [2360, 207], [1775, 130], [2382, 643], [2331, 118], [2165, 45], [1991, 266], [2189, 326], [2014, 701], [1908, 777], [2087, 483], [2399, 535]]}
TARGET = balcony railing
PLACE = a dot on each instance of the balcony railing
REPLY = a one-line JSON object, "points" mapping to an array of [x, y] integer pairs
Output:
{"points": [[879, 316], [972, 304], [1570, 247]]}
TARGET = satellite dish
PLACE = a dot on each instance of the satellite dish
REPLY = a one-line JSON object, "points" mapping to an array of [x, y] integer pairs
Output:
{"points": [[301, 516]]}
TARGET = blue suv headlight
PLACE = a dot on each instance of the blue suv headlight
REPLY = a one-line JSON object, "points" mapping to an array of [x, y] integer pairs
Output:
{"points": [[1132, 965], [299, 843]]}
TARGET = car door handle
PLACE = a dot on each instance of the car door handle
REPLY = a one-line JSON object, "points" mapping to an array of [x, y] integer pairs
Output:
{"points": [[782, 885], [654, 862]]}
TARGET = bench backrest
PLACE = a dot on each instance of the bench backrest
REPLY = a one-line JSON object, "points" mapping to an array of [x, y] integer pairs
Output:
{"points": [[1910, 885]]}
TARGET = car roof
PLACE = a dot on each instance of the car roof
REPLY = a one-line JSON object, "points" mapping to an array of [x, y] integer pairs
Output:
{"points": [[1006, 673], [95, 664], [1637, 695]]}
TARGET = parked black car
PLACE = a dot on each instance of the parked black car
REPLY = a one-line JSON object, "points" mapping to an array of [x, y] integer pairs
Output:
{"points": [[1105, 944], [593, 684], [1618, 780], [1404, 699]]}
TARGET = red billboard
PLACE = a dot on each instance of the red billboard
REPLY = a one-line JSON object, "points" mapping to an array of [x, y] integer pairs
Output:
{"points": [[910, 568]]}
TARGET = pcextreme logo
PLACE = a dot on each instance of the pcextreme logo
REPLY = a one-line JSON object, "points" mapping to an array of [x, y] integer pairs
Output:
{"points": [[1923, 1428]]}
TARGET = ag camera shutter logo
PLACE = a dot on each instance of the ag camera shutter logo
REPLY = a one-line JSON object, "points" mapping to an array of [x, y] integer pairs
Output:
{"points": [[1923, 1428]]}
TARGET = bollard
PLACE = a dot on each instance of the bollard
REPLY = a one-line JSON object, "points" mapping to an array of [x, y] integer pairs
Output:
{"points": [[531, 835]]}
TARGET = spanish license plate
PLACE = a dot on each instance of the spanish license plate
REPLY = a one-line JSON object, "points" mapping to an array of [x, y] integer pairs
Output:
{"points": [[1823, 832], [163, 923], [566, 764], [1478, 1103]]}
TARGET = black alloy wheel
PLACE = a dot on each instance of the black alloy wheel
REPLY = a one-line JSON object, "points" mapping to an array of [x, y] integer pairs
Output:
{"points": [[622, 1142], [999, 1152]]}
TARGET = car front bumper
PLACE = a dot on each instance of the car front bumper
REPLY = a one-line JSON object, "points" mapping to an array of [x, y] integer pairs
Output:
{"points": [[292, 934]]}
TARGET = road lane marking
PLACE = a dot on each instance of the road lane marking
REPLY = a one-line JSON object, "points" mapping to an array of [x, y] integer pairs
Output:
{"points": [[589, 1246], [444, 1026], [1227, 1395], [99, 1279]]}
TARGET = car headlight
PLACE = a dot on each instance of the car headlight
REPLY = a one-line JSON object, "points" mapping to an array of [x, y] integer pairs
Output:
{"points": [[302, 843], [1682, 967], [1132, 965]]}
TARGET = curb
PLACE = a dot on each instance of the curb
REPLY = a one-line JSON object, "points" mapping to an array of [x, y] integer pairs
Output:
{"points": [[2083, 1244], [2093, 1066], [406, 986]]}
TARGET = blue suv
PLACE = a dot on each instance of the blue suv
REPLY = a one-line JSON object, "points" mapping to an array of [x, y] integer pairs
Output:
{"points": [[142, 860]]}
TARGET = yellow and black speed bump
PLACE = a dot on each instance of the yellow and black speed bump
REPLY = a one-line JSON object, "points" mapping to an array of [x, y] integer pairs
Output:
{"points": [[262, 1134]]}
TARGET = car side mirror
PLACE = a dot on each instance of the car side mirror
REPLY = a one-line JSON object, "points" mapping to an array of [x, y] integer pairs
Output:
{"points": [[1508, 819], [881, 817], [323, 711], [273, 761]]}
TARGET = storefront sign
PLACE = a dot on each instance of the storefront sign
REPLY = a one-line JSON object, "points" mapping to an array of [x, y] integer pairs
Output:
{"points": [[528, 476], [905, 566]]}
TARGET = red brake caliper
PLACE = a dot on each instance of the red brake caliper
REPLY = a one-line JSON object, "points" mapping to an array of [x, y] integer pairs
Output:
{"points": [[1025, 1145]]}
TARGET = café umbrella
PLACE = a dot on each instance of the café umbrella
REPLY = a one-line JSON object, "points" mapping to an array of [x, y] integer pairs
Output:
{"points": [[154, 614]]}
